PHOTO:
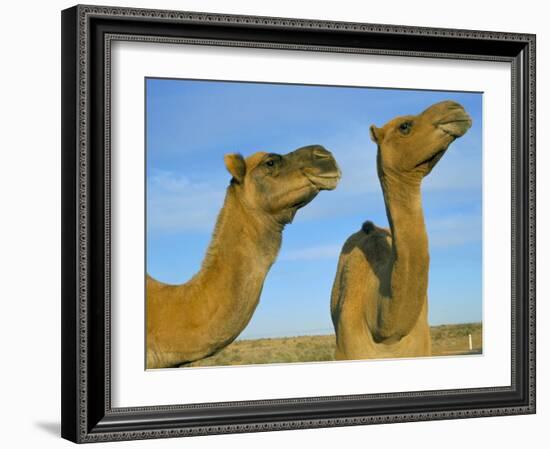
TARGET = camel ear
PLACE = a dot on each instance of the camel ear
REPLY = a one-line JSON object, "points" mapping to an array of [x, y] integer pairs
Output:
{"points": [[375, 134], [235, 165]]}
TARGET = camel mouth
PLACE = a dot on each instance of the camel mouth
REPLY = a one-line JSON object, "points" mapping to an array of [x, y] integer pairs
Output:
{"points": [[457, 126], [325, 181]]}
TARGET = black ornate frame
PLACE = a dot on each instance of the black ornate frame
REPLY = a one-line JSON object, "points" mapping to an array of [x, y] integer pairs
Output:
{"points": [[87, 33]]}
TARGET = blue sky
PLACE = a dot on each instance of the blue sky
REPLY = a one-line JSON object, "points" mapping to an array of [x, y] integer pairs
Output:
{"points": [[192, 124]]}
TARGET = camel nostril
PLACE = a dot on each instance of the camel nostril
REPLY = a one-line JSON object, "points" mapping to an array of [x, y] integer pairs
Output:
{"points": [[454, 105], [321, 153]]}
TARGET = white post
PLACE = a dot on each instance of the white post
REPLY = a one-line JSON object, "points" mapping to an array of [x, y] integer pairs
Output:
{"points": [[470, 341]]}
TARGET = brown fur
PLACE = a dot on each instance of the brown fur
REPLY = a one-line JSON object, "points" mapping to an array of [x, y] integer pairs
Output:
{"points": [[195, 320], [379, 300]]}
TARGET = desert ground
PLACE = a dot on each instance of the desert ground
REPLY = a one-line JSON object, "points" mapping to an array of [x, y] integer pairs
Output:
{"points": [[447, 340]]}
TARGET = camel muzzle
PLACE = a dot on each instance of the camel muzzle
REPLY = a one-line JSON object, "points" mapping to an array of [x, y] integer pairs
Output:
{"points": [[320, 167], [457, 125], [450, 117]]}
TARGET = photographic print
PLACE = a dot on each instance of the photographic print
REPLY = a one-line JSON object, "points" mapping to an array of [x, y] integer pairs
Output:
{"points": [[290, 223], [314, 200]]}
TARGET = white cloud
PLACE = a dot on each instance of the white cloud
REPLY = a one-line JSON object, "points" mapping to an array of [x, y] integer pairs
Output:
{"points": [[446, 232], [454, 230], [175, 203], [460, 168], [311, 253]]}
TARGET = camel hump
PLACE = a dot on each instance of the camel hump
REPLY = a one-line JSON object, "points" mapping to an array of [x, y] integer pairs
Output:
{"points": [[368, 227]]}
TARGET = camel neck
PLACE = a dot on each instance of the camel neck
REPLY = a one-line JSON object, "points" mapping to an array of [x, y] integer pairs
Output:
{"points": [[243, 248], [403, 202], [243, 234], [409, 260]]}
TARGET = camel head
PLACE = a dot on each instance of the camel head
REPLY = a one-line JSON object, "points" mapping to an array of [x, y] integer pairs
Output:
{"points": [[278, 185], [412, 145]]}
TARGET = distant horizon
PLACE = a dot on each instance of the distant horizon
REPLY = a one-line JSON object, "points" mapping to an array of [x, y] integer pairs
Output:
{"points": [[331, 332], [190, 126]]}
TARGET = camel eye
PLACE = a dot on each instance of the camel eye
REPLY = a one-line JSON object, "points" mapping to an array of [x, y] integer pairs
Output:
{"points": [[405, 127], [272, 160]]}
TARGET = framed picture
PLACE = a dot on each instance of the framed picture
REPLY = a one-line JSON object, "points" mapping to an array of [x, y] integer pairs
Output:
{"points": [[276, 224]]}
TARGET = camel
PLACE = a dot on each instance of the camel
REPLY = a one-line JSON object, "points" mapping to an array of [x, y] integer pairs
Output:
{"points": [[379, 302], [195, 320]]}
